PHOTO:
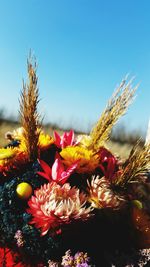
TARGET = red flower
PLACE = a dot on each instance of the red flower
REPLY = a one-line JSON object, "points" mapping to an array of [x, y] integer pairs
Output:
{"points": [[57, 173], [67, 139], [108, 164], [9, 258]]}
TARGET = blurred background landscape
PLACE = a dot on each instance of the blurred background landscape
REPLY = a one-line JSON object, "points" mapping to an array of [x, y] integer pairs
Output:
{"points": [[84, 49], [121, 140]]}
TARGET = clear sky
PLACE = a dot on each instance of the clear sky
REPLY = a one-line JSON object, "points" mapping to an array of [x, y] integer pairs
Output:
{"points": [[83, 48]]}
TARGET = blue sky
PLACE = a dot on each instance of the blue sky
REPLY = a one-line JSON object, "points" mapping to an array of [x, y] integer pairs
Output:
{"points": [[83, 48]]}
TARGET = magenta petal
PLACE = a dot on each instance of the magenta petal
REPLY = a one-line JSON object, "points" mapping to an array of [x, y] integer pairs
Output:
{"points": [[63, 141], [57, 169], [43, 174], [65, 175], [68, 138], [63, 179], [57, 139], [45, 167], [71, 137]]}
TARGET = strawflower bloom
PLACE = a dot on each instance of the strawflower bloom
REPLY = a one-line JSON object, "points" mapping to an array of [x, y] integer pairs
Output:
{"points": [[87, 160], [45, 140], [101, 194], [54, 205], [67, 139], [84, 140], [8, 158], [14, 160], [15, 135], [7, 154], [57, 173]]}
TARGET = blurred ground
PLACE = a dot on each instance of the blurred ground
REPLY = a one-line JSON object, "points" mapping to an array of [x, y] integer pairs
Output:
{"points": [[121, 150]]}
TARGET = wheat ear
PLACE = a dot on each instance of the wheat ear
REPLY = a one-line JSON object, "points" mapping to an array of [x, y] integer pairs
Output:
{"points": [[28, 110], [116, 107]]}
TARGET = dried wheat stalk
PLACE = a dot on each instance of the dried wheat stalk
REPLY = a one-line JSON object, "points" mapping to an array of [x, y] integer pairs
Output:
{"points": [[136, 166], [28, 110], [116, 107]]}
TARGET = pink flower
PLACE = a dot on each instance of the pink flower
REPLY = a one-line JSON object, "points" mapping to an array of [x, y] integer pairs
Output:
{"points": [[19, 238], [67, 139], [54, 205], [57, 173]]}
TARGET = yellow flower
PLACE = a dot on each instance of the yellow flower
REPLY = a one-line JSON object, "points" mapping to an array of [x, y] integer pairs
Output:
{"points": [[16, 134], [11, 157], [45, 140], [88, 161], [7, 155], [84, 140], [22, 146]]}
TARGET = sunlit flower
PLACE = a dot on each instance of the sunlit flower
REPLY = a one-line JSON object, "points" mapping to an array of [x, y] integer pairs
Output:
{"points": [[84, 140], [67, 139], [101, 194], [54, 205], [15, 135], [13, 158], [7, 155], [45, 140], [87, 161], [57, 173]]}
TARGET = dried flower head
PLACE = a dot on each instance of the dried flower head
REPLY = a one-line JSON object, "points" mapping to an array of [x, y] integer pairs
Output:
{"points": [[67, 139], [101, 195], [54, 205], [87, 160], [45, 140]]}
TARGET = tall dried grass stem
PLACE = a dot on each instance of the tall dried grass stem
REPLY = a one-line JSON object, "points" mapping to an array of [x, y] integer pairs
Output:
{"points": [[136, 166], [28, 110], [116, 107]]}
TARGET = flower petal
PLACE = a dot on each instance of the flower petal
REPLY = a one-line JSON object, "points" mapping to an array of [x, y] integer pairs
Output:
{"points": [[45, 167], [57, 169], [57, 138]]}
